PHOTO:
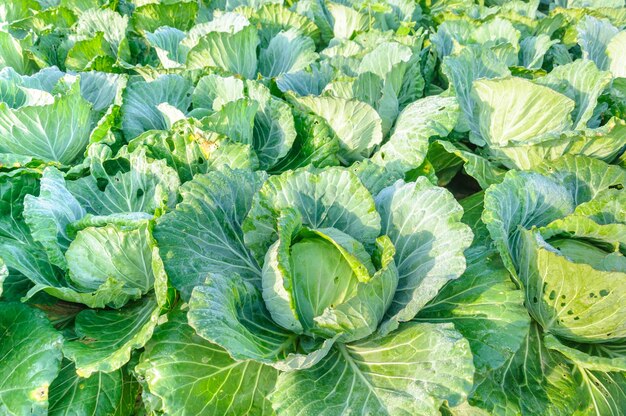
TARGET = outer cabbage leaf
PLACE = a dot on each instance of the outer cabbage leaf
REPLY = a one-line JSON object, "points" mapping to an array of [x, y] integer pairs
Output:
{"points": [[204, 234], [582, 82], [102, 89], [234, 120], [429, 240], [593, 37], [192, 376], [31, 357], [601, 357], [274, 128], [228, 45], [522, 200], [607, 207], [167, 43], [410, 371], [533, 50], [103, 393], [311, 81], [214, 91], [141, 98], [356, 124], [450, 34], [346, 20], [602, 143], [615, 53], [57, 131], [49, 214], [418, 122], [513, 110], [445, 157], [13, 53], [4, 273], [105, 343], [604, 391], [472, 63], [230, 312], [23, 256], [575, 300], [286, 52], [485, 306], [473, 207], [584, 177], [315, 144], [93, 53], [534, 381], [279, 273]]}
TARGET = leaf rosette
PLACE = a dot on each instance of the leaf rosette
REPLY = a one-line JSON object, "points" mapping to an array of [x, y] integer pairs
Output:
{"points": [[310, 273], [83, 240], [560, 231], [565, 243]]}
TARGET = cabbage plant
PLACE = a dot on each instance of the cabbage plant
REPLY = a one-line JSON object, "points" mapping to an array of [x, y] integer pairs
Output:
{"points": [[561, 232], [313, 274], [80, 249]]}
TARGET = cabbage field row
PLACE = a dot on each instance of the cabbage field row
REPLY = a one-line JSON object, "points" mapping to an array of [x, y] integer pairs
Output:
{"points": [[310, 207]]}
